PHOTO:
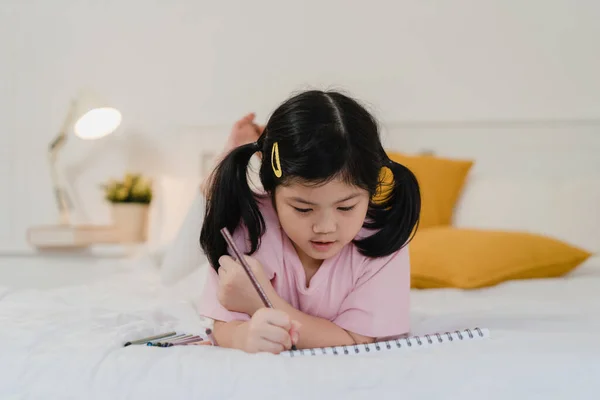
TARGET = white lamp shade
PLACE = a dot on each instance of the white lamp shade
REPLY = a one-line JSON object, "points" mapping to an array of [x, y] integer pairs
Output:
{"points": [[91, 117], [97, 122]]}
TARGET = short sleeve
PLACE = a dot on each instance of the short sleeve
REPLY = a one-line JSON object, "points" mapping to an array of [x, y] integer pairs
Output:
{"points": [[378, 306], [209, 305]]}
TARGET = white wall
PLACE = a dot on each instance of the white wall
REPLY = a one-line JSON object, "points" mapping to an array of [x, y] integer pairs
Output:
{"points": [[172, 64]]}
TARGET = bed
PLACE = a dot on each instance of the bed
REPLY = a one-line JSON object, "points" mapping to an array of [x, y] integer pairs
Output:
{"points": [[67, 342]]}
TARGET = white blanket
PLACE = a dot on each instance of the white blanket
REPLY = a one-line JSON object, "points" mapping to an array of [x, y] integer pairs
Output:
{"points": [[67, 344]]}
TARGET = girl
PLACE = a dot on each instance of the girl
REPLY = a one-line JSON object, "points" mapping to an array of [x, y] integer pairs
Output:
{"points": [[333, 262]]}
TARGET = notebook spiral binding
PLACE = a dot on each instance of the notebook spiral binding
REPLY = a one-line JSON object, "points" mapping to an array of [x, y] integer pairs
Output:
{"points": [[410, 342]]}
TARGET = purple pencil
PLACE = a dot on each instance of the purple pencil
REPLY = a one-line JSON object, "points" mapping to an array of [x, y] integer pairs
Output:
{"points": [[186, 342], [242, 260]]}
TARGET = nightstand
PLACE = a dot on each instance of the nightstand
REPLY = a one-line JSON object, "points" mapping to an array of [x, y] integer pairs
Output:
{"points": [[54, 269]]}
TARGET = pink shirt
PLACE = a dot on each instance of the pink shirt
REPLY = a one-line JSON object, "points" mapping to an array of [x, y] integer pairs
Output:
{"points": [[368, 296]]}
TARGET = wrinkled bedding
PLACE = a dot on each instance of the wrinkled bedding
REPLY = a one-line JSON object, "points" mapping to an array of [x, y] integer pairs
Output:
{"points": [[66, 343]]}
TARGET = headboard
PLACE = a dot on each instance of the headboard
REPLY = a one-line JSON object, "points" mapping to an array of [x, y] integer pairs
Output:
{"points": [[535, 149], [542, 176]]}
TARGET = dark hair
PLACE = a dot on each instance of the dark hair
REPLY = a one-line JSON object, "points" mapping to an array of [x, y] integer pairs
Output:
{"points": [[320, 136]]}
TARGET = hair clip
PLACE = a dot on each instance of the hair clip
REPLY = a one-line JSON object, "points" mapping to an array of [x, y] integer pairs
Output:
{"points": [[275, 162]]}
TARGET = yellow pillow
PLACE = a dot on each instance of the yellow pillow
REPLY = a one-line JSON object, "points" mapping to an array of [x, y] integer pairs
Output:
{"points": [[441, 181], [472, 258]]}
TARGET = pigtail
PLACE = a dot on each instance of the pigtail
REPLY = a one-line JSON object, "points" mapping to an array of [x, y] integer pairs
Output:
{"points": [[396, 217], [231, 203]]}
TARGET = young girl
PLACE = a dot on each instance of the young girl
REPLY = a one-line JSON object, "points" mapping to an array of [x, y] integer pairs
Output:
{"points": [[333, 262]]}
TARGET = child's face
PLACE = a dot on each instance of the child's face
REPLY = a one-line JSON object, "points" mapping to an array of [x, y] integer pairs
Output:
{"points": [[320, 220]]}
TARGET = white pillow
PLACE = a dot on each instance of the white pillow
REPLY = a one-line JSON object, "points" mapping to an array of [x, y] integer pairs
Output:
{"points": [[568, 210], [185, 255], [172, 198]]}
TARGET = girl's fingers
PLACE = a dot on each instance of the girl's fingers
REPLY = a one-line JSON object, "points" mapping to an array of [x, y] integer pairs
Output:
{"points": [[226, 260], [223, 270], [295, 331], [271, 347], [276, 317], [277, 335]]}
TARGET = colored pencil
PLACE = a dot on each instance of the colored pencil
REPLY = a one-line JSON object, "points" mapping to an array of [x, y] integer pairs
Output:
{"points": [[242, 260], [150, 338]]}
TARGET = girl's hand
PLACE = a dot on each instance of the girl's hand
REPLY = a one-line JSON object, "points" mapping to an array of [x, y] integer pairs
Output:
{"points": [[269, 330], [236, 292]]}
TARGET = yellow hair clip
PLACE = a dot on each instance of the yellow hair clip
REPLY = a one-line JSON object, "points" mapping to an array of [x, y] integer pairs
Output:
{"points": [[275, 162]]}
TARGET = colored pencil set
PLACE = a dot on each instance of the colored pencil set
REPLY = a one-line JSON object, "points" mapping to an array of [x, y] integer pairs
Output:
{"points": [[170, 339]]}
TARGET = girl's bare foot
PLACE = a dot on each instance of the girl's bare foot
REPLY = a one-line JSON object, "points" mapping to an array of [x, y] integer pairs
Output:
{"points": [[244, 131]]}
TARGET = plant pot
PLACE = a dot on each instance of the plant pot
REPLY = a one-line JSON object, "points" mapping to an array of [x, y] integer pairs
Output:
{"points": [[131, 221]]}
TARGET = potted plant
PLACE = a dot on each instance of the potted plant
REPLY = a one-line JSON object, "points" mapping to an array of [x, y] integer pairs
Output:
{"points": [[130, 200]]}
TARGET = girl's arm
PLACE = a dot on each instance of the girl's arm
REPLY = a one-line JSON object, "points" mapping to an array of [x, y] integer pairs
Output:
{"points": [[272, 332], [269, 330], [313, 332], [228, 333], [317, 332], [236, 294]]}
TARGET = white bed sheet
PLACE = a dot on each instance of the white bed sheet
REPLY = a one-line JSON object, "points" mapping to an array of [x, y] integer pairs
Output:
{"points": [[66, 343]]}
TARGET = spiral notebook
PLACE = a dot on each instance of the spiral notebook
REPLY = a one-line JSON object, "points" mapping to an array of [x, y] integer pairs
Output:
{"points": [[407, 343]]}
